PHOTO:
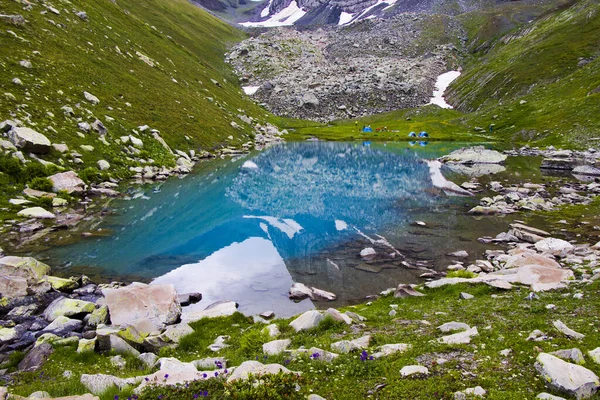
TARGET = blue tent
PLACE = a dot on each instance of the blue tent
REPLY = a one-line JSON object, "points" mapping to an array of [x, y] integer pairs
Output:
{"points": [[412, 134], [423, 134], [367, 129]]}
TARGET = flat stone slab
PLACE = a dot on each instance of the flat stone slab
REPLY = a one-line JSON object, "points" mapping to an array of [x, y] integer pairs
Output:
{"points": [[459, 338], [256, 369]]}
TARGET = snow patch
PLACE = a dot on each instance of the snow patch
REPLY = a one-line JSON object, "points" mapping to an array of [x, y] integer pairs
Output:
{"points": [[286, 17], [250, 90], [442, 83], [345, 18], [249, 165], [340, 225], [287, 226]]}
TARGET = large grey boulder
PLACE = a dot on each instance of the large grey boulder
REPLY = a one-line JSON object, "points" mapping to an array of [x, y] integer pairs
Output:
{"points": [[63, 325], [308, 320], [554, 246], [64, 306], [346, 346], [474, 155], [565, 377], [36, 212], [29, 140], [146, 307], [68, 181], [388, 349], [13, 286], [23, 267]]}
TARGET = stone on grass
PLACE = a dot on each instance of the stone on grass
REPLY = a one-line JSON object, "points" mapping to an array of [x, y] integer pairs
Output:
{"points": [[64, 306], [86, 345], [388, 349], [100, 383], [548, 396], [308, 320], [36, 358], [470, 393], [567, 378], [210, 363], [68, 181], [459, 338], [575, 355], [276, 347], [595, 355], [272, 330], [36, 212], [29, 140], [147, 307], [554, 246], [103, 165], [346, 346], [91, 98], [570, 333], [219, 343], [315, 397], [218, 309], [338, 316], [466, 296], [410, 370], [120, 346], [256, 369], [403, 291], [118, 362], [454, 326]]}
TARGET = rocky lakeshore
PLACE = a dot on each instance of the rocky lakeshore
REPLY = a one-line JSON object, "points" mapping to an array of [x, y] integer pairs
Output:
{"points": [[75, 200], [532, 295]]}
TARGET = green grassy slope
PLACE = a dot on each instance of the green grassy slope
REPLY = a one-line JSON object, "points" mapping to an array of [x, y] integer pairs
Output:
{"points": [[532, 84], [102, 56]]}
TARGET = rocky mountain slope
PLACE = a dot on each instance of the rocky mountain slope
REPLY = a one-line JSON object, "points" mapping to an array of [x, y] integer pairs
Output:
{"points": [[540, 82], [368, 68]]}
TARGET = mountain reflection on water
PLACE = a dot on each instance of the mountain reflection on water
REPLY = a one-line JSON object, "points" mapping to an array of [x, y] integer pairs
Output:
{"points": [[246, 230]]}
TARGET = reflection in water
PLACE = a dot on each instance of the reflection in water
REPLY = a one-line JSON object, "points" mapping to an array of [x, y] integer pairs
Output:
{"points": [[251, 270], [243, 229]]}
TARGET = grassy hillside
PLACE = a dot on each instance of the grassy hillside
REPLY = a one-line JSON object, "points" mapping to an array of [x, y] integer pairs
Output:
{"points": [[540, 82], [156, 62]]}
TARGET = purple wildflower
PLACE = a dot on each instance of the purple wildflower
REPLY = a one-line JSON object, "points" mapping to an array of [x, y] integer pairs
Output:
{"points": [[225, 371], [286, 362], [166, 376], [364, 355], [216, 374], [204, 375], [116, 397], [314, 356], [147, 379]]}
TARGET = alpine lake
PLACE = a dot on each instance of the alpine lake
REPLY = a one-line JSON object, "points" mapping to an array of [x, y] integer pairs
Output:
{"points": [[246, 228]]}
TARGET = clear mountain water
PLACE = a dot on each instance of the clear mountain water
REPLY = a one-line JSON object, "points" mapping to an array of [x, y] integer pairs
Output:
{"points": [[245, 229]]}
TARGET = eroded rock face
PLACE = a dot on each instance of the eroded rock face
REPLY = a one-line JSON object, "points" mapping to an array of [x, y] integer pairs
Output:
{"points": [[568, 378], [146, 307]]}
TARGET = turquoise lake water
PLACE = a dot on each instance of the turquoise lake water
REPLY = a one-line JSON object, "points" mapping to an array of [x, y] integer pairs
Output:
{"points": [[246, 228]]}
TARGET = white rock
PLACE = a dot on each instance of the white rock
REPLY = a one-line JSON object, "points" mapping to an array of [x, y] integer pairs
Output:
{"points": [[36, 212], [554, 246], [454, 326], [256, 369], [548, 396], [413, 370], [459, 338], [103, 165], [308, 320], [388, 349], [368, 252], [68, 181], [572, 379], [558, 324], [91, 98], [276, 347]]}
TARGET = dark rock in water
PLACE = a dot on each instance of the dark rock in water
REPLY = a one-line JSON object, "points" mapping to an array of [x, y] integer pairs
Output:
{"points": [[369, 268], [36, 358], [189, 298], [560, 163], [267, 314]]}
